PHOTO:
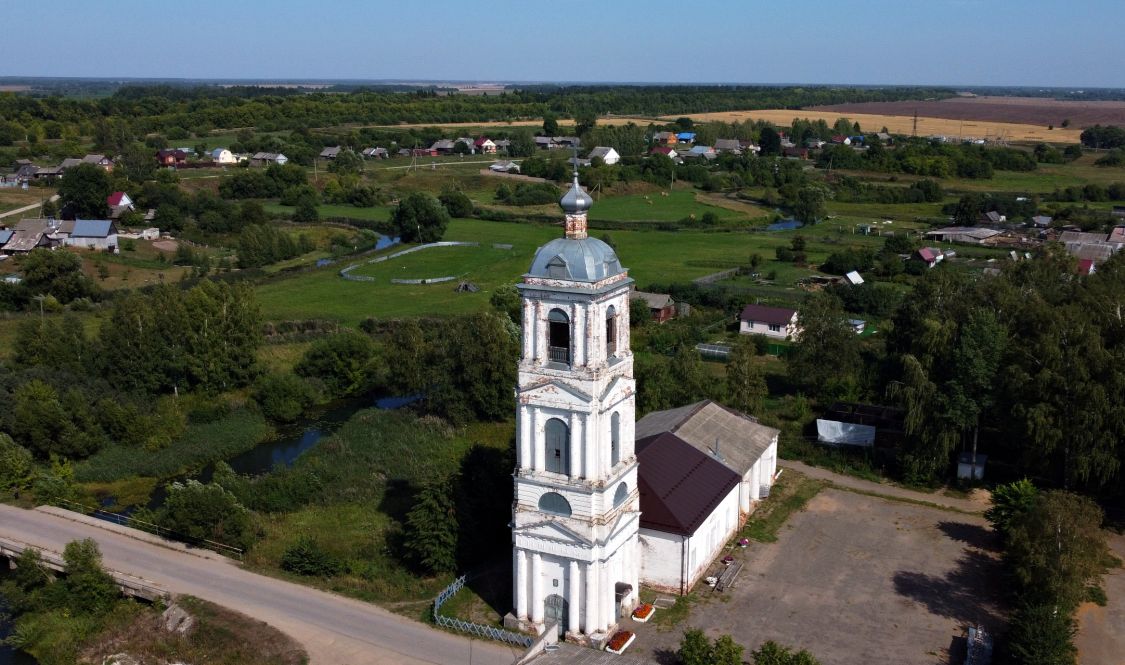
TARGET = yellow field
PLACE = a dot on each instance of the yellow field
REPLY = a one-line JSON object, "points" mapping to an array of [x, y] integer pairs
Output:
{"points": [[900, 124], [897, 124]]}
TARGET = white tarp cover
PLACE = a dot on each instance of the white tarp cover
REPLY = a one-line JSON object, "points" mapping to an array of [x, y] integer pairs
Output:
{"points": [[838, 433]]}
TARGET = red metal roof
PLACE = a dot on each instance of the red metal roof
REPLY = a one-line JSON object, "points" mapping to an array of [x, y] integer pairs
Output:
{"points": [[679, 485], [777, 316], [114, 199]]}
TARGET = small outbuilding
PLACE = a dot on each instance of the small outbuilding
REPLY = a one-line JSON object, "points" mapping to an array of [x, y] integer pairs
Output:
{"points": [[223, 156]]}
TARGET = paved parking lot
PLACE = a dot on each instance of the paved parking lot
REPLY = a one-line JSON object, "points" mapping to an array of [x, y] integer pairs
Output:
{"points": [[854, 579]]}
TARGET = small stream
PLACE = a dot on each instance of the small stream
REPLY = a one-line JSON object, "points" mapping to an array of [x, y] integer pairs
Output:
{"points": [[291, 442], [8, 655]]}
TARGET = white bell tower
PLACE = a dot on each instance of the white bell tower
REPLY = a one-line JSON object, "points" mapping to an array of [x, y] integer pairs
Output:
{"points": [[576, 511]]}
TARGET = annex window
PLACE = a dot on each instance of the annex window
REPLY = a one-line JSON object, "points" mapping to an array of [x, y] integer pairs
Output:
{"points": [[557, 457], [614, 439], [554, 503], [775, 327], [558, 337], [610, 332], [620, 495]]}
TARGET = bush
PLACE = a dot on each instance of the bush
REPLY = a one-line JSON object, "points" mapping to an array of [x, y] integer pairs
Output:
{"points": [[206, 512], [305, 557], [283, 397], [342, 362], [457, 203]]}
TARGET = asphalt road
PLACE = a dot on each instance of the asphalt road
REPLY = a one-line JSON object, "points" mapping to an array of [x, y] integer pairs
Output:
{"points": [[333, 629]]}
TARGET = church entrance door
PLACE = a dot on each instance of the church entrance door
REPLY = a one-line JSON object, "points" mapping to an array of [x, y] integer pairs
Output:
{"points": [[555, 609]]}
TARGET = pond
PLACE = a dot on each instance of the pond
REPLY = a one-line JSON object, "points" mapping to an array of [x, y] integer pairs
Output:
{"points": [[785, 225]]}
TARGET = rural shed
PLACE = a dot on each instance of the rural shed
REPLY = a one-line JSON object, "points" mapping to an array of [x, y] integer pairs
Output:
{"points": [[689, 509], [660, 305], [93, 234]]}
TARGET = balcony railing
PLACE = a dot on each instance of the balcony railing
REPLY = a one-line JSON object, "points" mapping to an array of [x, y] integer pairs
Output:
{"points": [[558, 354]]}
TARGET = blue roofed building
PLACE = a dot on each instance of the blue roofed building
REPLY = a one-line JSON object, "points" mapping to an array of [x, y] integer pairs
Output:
{"points": [[685, 137], [93, 234]]}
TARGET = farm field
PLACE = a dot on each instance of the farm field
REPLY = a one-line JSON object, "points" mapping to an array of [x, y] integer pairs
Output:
{"points": [[651, 256], [12, 198], [1030, 110], [903, 124]]}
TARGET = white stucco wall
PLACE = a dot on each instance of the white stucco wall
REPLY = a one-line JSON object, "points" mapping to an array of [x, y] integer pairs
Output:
{"points": [[674, 564], [759, 328]]}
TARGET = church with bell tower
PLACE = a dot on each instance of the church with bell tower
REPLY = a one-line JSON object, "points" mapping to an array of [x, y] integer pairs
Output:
{"points": [[576, 514]]}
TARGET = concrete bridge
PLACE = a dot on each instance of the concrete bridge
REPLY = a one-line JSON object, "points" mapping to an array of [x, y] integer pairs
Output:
{"points": [[130, 585], [333, 629]]}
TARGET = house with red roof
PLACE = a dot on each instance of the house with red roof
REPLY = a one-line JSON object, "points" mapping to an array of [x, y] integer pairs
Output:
{"points": [[776, 322], [119, 203], [485, 146], [931, 256]]}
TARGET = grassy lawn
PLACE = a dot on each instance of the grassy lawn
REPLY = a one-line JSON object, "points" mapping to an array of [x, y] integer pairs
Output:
{"points": [[468, 262], [12, 198], [651, 256], [654, 207]]}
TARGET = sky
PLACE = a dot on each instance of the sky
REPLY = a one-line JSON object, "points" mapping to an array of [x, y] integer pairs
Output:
{"points": [[924, 42]]}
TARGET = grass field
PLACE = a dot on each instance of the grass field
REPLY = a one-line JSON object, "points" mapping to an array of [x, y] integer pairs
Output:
{"points": [[651, 256], [902, 124], [672, 207], [12, 198], [470, 263], [377, 214]]}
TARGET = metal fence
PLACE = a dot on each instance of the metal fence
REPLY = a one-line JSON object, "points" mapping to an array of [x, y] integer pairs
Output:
{"points": [[141, 525], [479, 630]]}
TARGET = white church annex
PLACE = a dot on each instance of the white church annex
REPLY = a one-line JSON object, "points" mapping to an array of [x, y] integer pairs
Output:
{"points": [[577, 522]]}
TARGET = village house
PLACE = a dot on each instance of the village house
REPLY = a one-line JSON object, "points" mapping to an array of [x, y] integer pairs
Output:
{"points": [[670, 153], [375, 153], [608, 155], [793, 152], [814, 143], [992, 217], [31, 234], [664, 138], [775, 322], [100, 161], [685, 137], [931, 256], [443, 147], [268, 158], [840, 139], [660, 305], [69, 163], [1041, 221], [545, 143], [170, 157], [750, 146], [119, 203], [502, 145], [728, 145], [100, 234], [702, 151], [223, 156], [330, 152], [485, 146]]}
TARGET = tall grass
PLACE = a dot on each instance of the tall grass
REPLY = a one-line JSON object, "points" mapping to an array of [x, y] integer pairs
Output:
{"points": [[200, 445]]}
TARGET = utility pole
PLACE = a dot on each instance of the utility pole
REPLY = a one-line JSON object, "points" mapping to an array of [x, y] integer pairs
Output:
{"points": [[915, 133]]}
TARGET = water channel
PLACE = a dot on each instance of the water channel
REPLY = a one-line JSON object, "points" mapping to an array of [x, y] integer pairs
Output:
{"points": [[283, 450]]}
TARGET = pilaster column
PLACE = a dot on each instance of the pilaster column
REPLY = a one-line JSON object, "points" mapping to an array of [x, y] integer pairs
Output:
{"points": [[605, 599], [538, 450], [573, 599], [521, 584], [576, 450], [523, 460], [528, 328], [540, 341], [590, 602], [537, 587]]}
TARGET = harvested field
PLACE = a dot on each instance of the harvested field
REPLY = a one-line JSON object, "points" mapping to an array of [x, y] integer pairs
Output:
{"points": [[1026, 110], [903, 124]]}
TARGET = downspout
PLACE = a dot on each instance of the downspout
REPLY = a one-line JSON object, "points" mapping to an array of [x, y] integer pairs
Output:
{"points": [[683, 565]]}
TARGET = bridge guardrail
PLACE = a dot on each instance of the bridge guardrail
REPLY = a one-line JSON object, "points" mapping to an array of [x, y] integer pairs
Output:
{"points": [[149, 527]]}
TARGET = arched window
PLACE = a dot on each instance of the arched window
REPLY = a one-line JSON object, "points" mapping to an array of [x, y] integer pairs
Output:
{"points": [[558, 336], [558, 446], [614, 439], [610, 332], [620, 495], [554, 503]]}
